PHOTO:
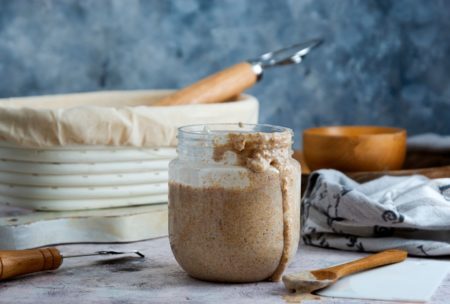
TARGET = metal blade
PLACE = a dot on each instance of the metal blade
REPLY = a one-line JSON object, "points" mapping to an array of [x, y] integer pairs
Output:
{"points": [[290, 55], [104, 252]]}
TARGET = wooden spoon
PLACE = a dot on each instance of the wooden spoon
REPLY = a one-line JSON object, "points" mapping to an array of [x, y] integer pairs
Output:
{"points": [[309, 281]]}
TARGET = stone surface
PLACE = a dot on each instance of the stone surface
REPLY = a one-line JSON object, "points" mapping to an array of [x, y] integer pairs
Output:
{"points": [[159, 279], [384, 62]]}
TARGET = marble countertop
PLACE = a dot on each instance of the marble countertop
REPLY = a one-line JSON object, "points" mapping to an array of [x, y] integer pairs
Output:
{"points": [[159, 279]]}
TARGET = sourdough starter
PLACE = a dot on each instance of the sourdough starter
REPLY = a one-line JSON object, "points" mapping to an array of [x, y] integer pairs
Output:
{"points": [[238, 220]]}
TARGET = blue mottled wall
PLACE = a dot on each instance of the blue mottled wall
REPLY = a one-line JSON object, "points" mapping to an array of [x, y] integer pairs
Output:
{"points": [[384, 62]]}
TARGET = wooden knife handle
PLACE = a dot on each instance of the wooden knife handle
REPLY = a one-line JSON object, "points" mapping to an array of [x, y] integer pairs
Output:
{"points": [[215, 88], [375, 260], [19, 262]]}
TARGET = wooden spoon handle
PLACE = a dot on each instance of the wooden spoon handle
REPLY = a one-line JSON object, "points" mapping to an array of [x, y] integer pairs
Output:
{"points": [[215, 88], [19, 262], [379, 259]]}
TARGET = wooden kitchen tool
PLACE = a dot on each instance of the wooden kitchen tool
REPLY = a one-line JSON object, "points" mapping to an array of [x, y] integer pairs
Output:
{"points": [[234, 80], [354, 148], [15, 263], [308, 281]]}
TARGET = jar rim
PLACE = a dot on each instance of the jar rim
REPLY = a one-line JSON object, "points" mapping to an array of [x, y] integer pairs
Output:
{"points": [[224, 128]]}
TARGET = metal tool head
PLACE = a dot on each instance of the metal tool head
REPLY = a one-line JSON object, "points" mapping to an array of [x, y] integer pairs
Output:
{"points": [[290, 55], [120, 252], [105, 252]]}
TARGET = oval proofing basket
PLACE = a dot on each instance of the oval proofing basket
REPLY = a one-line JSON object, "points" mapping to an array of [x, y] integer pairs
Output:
{"points": [[62, 163]]}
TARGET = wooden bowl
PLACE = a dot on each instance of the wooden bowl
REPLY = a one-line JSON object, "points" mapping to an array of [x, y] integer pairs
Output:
{"points": [[355, 148]]}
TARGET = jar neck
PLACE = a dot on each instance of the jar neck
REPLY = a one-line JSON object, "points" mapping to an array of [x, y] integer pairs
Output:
{"points": [[228, 144], [195, 148]]}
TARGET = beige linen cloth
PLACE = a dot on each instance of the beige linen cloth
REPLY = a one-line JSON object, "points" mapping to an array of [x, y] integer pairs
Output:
{"points": [[110, 119]]}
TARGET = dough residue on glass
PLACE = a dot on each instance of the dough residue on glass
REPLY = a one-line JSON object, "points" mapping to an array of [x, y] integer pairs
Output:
{"points": [[258, 152]]}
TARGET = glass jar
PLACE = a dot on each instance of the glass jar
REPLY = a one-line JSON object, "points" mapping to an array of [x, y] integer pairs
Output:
{"points": [[234, 202]]}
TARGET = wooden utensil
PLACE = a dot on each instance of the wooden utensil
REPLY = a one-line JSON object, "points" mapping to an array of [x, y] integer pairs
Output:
{"points": [[15, 263], [234, 80], [308, 281], [218, 87], [354, 148]]}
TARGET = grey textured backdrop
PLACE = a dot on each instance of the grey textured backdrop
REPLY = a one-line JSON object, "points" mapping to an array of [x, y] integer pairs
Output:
{"points": [[384, 62]]}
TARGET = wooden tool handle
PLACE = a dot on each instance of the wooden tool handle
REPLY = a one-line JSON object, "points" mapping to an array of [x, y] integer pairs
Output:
{"points": [[19, 262], [215, 88], [379, 259]]}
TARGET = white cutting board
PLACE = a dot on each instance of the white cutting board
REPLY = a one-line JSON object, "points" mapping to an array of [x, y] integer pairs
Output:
{"points": [[414, 280], [21, 229]]}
